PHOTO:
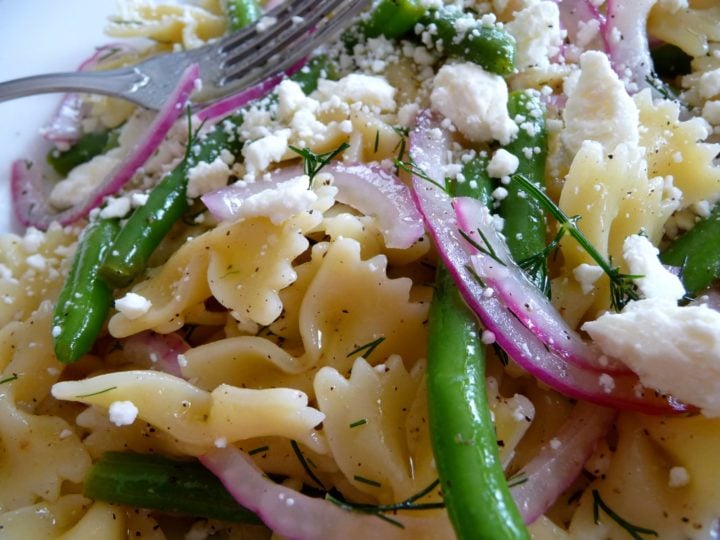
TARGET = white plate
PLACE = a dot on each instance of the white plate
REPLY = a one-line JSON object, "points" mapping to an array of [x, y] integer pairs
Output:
{"points": [[40, 36]]}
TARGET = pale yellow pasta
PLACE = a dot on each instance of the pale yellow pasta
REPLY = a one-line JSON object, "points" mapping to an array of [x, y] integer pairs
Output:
{"points": [[689, 29], [365, 426], [187, 25], [44, 520], [199, 418], [100, 521], [341, 310]]}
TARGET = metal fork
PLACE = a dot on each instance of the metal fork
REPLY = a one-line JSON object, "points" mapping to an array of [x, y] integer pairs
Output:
{"points": [[237, 61]]}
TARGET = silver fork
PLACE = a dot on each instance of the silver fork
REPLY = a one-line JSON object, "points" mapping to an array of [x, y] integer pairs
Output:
{"points": [[234, 62]]}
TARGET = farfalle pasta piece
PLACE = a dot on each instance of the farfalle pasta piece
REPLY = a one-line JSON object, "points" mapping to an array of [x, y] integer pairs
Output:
{"points": [[513, 417], [246, 362], [690, 29], [244, 264], [32, 268], [642, 488], [344, 311], [198, 418], [676, 148], [365, 426], [44, 519], [188, 25]]}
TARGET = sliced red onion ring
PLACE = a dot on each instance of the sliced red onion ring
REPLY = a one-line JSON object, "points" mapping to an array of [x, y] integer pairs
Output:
{"points": [[30, 188], [521, 296], [294, 515], [619, 390], [559, 462], [64, 126], [230, 104], [576, 13], [368, 188], [161, 350], [627, 44]]}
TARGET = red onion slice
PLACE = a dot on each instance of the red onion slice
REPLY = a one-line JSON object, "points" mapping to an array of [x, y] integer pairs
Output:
{"points": [[559, 462], [521, 296], [574, 14], [64, 126], [294, 515], [30, 188], [161, 350], [627, 43], [368, 188], [619, 390], [230, 104]]}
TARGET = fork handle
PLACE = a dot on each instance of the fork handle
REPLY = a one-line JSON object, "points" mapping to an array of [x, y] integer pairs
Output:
{"points": [[120, 83]]}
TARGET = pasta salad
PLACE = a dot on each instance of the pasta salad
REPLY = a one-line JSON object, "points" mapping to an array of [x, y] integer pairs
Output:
{"points": [[454, 276]]}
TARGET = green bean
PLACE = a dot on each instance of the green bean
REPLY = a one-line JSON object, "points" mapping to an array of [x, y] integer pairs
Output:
{"points": [[85, 299], [525, 225], [392, 18], [242, 13], [167, 485], [697, 253], [476, 181], [476, 493], [85, 148], [487, 45], [167, 202], [669, 61]]}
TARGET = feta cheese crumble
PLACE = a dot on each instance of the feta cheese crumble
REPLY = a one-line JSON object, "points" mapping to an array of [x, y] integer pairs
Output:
{"points": [[122, 413], [656, 281], [133, 305], [475, 101]]}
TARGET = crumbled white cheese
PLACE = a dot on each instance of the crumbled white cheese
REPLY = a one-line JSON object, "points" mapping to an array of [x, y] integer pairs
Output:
{"points": [[133, 305], [32, 240], [587, 275], [279, 201], [656, 281], [259, 154], [115, 207], [475, 101], [37, 262], [291, 99], [587, 32], [138, 199], [205, 177], [265, 23], [370, 90], [503, 163], [678, 477], [555, 443], [598, 107], [709, 85], [672, 349], [711, 112], [538, 34], [220, 442], [606, 382], [488, 337], [122, 413]]}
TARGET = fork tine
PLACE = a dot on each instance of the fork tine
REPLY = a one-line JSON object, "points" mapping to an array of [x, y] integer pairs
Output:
{"points": [[294, 43]]}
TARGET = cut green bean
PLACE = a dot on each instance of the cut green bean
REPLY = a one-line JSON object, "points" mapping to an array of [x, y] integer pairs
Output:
{"points": [[160, 483], [85, 299], [85, 148], [476, 181], [697, 253], [392, 18], [525, 224], [455, 33], [241, 13], [167, 202], [476, 493]]}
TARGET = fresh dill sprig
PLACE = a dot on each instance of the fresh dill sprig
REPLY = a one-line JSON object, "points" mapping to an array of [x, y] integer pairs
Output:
{"points": [[368, 348], [501, 354], [356, 423], [380, 509], [517, 479], [11, 378], [535, 267], [411, 167], [377, 141], [487, 249], [97, 393], [664, 90], [622, 286], [304, 463], [368, 481], [258, 450], [633, 530], [313, 162]]}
